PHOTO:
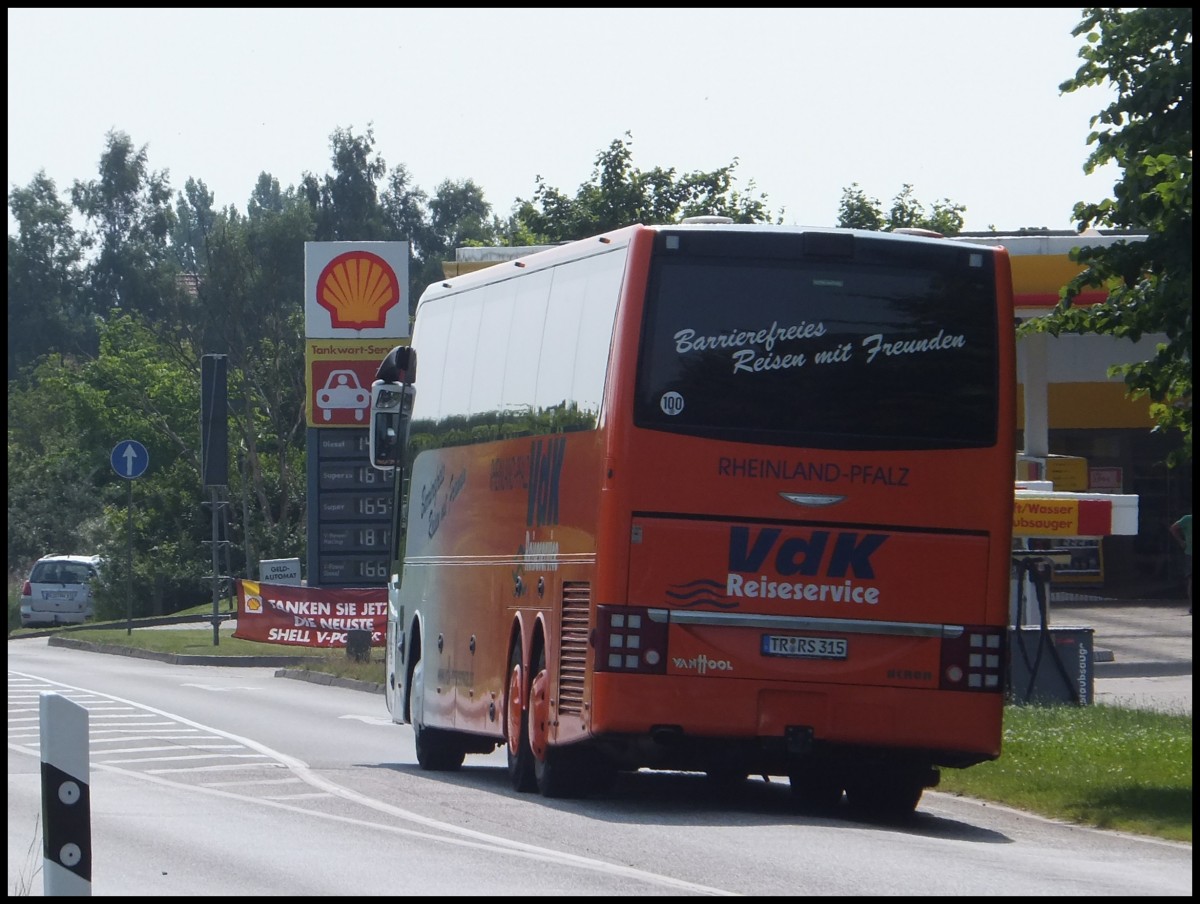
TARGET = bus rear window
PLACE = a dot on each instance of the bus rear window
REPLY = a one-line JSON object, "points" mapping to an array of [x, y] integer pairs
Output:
{"points": [[859, 352]]}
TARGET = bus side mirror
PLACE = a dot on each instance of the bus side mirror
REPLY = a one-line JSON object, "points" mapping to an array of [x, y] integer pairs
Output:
{"points": [[399, 366], [391, 409]]}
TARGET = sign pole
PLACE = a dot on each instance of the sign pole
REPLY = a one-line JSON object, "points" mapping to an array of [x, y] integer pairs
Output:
{"points": [[129, 564], [129, 459], [216, 618]]}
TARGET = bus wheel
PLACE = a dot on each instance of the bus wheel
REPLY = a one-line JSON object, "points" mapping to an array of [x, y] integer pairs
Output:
{"points": [[437, 750], [563, 773], [520, 757], [553, 770], [538, 721], [887, 793], [726, 778], [815, 789]]}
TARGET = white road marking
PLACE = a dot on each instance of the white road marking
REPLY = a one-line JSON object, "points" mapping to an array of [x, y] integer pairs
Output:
{"points": [[458, 835]]}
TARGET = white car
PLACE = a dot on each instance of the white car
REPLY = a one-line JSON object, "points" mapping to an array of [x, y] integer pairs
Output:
{"points": [[59, 591]]}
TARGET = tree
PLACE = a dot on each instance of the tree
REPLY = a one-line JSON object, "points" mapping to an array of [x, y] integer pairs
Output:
{"points": [[54, 464], [46, 305], [620, 194], [64, 496], [458, 216], [347, 201], [129, 207], [405, 218], [249, 284], [857, 211], [142, 385], [1145, 55]]}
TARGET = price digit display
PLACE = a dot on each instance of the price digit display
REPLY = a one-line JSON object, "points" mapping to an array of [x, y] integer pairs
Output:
{"points": [[349, 512]]}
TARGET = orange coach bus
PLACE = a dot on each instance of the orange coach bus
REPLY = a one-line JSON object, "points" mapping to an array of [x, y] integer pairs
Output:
{"points": [[733, 499]]}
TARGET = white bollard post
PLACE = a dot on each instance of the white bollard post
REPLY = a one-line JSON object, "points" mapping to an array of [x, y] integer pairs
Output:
{"points": [[66, 798]]}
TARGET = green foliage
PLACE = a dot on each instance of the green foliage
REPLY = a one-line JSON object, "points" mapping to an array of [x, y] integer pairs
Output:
{"points": [[313, 662], [129, 208], [347, 201], [66, 496], [1103, 766], [52, 508], [46, 304], [857, 211], [52, 467], [192, 641], [1145, 55], [163, 287], [250, 282], [15, 582], [620, 194]]}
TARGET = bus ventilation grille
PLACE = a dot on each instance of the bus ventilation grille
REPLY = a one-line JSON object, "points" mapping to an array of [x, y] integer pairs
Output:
{"points": [[573, 658]]}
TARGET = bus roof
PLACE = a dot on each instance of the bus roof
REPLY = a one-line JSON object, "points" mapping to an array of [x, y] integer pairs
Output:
{"points": [[506, 265]]}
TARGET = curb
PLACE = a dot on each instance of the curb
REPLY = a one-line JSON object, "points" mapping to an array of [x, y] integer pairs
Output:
{"points": [[174, 658], [281, 662], [370, 687], [151, 622]]}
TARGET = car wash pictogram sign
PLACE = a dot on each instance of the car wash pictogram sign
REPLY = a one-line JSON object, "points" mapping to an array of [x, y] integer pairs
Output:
{"points": [[340, 373]]}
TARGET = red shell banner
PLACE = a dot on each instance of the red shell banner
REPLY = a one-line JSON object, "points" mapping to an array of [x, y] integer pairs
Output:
{"points": [[309, 616]]}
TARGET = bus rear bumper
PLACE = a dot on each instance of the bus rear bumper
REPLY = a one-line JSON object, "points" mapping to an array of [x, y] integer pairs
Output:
{"points": [[950, 728]]}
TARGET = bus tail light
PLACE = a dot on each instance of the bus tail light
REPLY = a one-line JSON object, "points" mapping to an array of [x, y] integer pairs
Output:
{"points": [[973, 660], [631, 639]]}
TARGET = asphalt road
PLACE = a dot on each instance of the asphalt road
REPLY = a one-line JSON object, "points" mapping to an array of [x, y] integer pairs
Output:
{"points": [[184, 815]]}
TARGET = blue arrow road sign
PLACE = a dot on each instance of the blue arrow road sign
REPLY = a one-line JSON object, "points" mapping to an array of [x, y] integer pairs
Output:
{"points": [[130, 459]]}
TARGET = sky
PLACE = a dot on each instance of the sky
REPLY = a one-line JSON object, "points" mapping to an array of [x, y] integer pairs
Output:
{"points": [[961, 104]]}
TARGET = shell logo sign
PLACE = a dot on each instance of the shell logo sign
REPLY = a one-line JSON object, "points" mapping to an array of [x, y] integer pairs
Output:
{"points": [[356, 290]]}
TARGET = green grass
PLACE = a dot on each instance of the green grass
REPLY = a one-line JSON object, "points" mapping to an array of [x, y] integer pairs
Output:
{"points": [[1128, 770], [199, 642], [191, 641], [1104, 766]]}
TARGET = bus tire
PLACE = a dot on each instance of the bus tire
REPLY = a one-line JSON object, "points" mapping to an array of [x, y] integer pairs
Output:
{"points": [[557, 775], [437, 751], [726, 778], [574, 771], [520, 757], [885, 793], [537, 728], [815, 789], [557, 771]]}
